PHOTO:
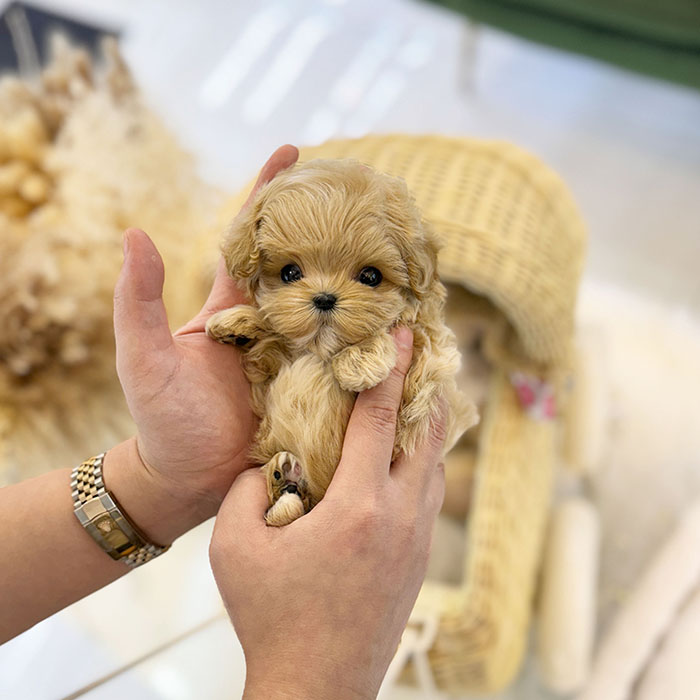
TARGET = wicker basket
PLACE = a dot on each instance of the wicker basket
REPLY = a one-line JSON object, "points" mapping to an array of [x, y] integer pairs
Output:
{"points": [[511, 233]]}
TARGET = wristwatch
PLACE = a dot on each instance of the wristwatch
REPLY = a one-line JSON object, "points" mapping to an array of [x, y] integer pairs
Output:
{"points": [[99, 512]]}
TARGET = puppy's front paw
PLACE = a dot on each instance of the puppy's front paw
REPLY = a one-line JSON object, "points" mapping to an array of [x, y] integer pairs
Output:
{"points": [[236, 326], [362, 366], [286, 488]]}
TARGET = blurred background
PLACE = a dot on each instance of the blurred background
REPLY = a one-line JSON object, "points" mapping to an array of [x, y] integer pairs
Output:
{"points": [[606, 94]]}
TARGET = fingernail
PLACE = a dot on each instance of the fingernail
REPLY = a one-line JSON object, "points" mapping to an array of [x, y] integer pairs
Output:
{"points": [[403, 337], [126, 243]]}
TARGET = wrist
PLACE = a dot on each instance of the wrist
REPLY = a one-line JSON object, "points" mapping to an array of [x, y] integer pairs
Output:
{"points": [[159, 511], [308, 678], [289, 688]]}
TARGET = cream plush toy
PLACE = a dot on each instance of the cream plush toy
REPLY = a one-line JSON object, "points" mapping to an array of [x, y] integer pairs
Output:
{"points": [[81, 158]]}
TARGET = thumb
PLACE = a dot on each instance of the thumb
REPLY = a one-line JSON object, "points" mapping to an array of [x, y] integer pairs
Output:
{"points": [[243, 508], [140, 321], [239, 529], [369, 438]]}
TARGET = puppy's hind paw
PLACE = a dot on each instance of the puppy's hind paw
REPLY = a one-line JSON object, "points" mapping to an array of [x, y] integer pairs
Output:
{"points": [[287, 509]]}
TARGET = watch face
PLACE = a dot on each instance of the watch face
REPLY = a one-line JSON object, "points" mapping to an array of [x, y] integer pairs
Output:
{"points": [[113, 536]]}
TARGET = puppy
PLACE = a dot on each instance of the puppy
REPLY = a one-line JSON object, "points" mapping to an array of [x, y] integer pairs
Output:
{"points": [[333, 255]]}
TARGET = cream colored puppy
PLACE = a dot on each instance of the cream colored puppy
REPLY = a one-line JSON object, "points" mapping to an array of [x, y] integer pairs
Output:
{"points": [[333, 255]]}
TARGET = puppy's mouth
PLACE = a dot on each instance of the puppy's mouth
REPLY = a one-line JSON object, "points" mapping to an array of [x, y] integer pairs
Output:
{"points": [[290, 487], [326, 339]]}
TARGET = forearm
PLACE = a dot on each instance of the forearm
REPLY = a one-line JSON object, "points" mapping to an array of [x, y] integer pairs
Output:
{"points": [[49, 561]]}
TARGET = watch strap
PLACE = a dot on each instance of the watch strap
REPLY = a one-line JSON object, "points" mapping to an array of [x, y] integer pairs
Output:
{"points": [[86, 480], [100, 514]]}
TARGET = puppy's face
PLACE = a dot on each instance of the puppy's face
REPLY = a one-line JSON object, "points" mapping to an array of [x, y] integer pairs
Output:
{"points": [[338, 253]]}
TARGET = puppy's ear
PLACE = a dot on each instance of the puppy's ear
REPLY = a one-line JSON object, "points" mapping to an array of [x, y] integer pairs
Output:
{"points": [[240, 245], [418, 245]]}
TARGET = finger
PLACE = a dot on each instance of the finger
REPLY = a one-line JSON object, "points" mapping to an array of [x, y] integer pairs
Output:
{"points": [[243, 509], [140, 322], [436, 491], [416, 470], [225, 292], [427, 508], [369, 438], [239, 524], [284, 157]]}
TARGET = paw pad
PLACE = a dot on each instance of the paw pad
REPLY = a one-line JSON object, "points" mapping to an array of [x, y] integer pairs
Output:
{"points": [[290, 467]]}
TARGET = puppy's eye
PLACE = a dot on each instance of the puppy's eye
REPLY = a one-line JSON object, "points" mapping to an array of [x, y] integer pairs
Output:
{"points": [[370, 276], [291, 273], [276, 475]]}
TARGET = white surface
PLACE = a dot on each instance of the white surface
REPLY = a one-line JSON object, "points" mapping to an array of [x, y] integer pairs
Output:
{"points": [[115, 626], [208, 664], [235, 80]]}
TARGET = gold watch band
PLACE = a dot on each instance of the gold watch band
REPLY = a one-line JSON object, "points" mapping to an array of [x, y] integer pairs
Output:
{"points": [[99, 512]]}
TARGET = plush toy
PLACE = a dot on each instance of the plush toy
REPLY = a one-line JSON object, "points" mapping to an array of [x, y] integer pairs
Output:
{"points": [[81, 158], [332, 255]]}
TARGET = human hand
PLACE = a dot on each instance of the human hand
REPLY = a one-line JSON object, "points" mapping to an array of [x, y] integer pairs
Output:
{"points": [[187, 394], [319, 605]]}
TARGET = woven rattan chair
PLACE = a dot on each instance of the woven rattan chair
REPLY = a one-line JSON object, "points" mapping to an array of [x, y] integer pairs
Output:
{"points": [[512, 234]]}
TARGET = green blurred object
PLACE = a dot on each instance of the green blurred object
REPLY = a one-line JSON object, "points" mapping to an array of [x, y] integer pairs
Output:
{"points": [[657, 37]]}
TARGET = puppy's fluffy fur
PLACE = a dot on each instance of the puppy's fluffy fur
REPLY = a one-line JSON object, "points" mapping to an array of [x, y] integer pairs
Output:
{"points": [[332, 220]]}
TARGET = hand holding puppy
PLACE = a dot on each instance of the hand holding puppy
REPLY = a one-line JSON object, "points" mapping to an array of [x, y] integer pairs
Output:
{"points": [[188, 396], [319, 606]]}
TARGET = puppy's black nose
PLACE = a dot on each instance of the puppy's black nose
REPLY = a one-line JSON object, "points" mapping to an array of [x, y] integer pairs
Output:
{"points": [[324, 301]]}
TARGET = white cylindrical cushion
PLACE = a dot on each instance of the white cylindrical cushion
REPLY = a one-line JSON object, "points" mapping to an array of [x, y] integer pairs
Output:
{"points": [[588, 419], [647, 613], [674, 673], [568, 597]]}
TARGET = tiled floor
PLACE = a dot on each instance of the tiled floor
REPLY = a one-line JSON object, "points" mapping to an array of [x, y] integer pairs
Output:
{"points": [[235, 80]]}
